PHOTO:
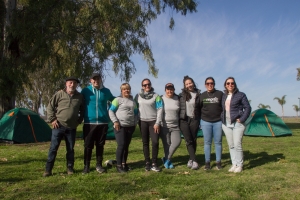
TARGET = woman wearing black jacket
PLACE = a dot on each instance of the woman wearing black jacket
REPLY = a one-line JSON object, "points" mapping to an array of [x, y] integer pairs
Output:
{"points": [[189, 118], [236, 110]]}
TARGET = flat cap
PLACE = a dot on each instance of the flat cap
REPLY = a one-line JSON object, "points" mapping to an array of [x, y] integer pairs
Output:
{"points": [[72, 78]]}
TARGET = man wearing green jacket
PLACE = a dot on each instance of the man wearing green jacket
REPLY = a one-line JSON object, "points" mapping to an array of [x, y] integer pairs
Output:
{"points": [[64, 111], [96, 120]]}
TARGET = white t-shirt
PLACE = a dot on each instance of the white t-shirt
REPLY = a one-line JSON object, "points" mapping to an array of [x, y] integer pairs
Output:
{"points": [[227, 109]]}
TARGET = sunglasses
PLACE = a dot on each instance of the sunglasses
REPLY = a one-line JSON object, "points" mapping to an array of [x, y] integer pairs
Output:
{"points": [[209, 83], [230, 83], [145, 85]]}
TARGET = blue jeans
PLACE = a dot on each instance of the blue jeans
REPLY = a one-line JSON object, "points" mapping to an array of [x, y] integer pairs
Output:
{"points": [[212, 130], [234, 136], [57, 135]]}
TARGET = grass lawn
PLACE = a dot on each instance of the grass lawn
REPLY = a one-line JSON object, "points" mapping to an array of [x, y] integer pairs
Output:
{"points": [[271, 171]]}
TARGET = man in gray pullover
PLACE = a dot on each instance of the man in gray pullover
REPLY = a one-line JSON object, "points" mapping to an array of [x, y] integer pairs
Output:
{"points": [[64, 111]]}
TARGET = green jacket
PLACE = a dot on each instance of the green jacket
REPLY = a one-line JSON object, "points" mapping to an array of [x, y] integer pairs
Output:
{"points": [[68, 110]]}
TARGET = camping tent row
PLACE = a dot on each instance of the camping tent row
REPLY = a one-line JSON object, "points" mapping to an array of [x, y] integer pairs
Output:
{"points": [[21, 125]]}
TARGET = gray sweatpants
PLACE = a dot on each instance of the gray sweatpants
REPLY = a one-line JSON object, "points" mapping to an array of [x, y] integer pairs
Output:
{"points": [[171, 140]]}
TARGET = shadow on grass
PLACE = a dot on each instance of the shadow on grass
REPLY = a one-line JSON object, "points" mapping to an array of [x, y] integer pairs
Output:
{"points": [[252, 160], [262, 158]]}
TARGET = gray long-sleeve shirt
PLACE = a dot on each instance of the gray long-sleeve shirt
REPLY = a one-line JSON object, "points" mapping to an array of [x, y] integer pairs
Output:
{"points": [[150, 109], [124, 111], [170, 111]]}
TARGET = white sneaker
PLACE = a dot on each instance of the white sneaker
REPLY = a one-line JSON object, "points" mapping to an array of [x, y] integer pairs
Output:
{"points": [[190, 164], [195, 165], [238, 169], [232, 168]]}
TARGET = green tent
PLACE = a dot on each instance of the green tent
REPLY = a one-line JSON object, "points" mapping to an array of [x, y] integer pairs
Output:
{"points": [[110, 132], [21, 125], [263, 122], [199, 134]]}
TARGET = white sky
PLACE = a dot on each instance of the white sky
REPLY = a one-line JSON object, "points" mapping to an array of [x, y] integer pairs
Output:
{"points": [[257, 42]]}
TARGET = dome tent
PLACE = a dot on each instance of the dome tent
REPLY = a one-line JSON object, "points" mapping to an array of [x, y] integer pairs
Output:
{"points": [[21, 125], [110, 131], [263, 122]]}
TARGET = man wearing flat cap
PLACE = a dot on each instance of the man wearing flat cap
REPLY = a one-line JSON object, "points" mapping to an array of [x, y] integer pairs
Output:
{"points": [[64, 111], [96, 120]]}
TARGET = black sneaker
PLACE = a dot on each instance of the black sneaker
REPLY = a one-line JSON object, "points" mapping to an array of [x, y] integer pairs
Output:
{"points": [[219, 166], [155, 168], [86, 170], [120, 169], [147, 167], [207, 166], [100, 169], [47, 173], [126, 167], [70, 170]]}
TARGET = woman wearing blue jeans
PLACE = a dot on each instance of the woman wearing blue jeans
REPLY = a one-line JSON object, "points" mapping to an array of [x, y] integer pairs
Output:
{"points": [[211, 124], [236, 110]]}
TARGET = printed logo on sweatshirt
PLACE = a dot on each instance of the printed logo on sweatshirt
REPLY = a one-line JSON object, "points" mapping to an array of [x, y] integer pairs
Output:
{"points": [[211, 100]]}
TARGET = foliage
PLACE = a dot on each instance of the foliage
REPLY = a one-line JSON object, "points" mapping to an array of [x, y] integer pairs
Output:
{"points": [[267, 173], [77, 37], [281, 102], [264, 106], [38, 91], [298, 74], [296, 108]]}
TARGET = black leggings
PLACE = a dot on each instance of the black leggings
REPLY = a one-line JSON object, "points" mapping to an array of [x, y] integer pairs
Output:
{"points": [[148, 130], [123, 138], [94, 134], [189, 128]]}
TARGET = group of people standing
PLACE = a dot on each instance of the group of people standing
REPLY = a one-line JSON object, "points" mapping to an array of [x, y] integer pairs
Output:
{"points": [[165, 117]]}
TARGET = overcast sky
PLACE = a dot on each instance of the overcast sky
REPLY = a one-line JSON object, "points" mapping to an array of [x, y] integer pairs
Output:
{"points": [[257, 42]]}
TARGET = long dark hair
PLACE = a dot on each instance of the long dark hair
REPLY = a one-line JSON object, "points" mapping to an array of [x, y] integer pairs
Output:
{"points": [[185, 91], [235, 86]]}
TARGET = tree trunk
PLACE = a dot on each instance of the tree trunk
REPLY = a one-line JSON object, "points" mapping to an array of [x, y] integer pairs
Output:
{"points": [[7, 101]]}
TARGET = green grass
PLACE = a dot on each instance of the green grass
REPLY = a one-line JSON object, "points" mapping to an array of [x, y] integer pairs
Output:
{"points": [[271, 171]]}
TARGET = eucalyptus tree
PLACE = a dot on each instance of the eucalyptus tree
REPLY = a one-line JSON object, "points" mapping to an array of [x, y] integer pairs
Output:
{"points": [[281, 102], [264, 106], [296, 108], [76, 37]]}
